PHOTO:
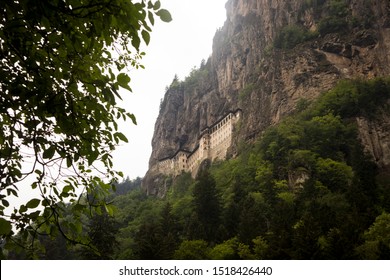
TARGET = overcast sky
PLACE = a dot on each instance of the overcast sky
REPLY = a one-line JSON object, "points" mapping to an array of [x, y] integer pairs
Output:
{"points": [[175, 48]]}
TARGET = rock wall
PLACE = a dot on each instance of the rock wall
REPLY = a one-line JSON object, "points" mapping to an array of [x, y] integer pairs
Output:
{"points": [[375, 137], [247, 71]]}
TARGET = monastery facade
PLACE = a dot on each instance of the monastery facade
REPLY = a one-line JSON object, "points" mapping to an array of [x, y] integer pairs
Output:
{"points": [[213, 143]]}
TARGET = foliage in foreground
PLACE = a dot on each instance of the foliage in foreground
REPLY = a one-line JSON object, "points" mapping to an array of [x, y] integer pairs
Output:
{"points": [[63, 67]]}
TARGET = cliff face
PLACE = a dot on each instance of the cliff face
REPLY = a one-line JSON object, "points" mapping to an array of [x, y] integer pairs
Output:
{"points": [[269, 56]]}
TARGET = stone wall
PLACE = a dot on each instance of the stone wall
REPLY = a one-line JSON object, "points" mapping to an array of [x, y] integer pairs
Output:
{"points": [[213, 144]]}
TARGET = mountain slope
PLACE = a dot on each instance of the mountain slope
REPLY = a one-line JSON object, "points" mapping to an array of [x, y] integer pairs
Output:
{"points": [[268, 57]]}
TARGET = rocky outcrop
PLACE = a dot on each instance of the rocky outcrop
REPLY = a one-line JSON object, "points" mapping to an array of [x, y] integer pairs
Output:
{"points": [[251, 68], [375, 137]]}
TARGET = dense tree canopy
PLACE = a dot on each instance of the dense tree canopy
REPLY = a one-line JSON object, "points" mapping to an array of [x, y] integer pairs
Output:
{"points": [[63, 63], [305, 190]]}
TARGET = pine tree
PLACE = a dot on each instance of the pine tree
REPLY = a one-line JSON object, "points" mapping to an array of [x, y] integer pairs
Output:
{"points": [[207, 206]]}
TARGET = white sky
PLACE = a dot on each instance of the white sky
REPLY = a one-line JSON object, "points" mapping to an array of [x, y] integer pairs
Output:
{"points": [[175, 48]]}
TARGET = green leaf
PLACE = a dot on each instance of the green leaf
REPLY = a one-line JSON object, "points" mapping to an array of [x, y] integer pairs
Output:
{"points": [[67, 189], [11, 191], [123, 80], [133, 119], [121, 136], [157, 5], [109, 96], [164, 15], [34, 215], [22, 209], [69, 162], [151, 17], [135, 41], [92, 156], [109, 209], [146, 36], [49, 153], [33, 203], [5, 202], [5, 227]]}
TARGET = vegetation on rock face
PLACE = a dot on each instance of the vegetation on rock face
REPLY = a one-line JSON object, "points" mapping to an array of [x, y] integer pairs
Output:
{"points": [[337, 21], [62, 66], [305, 190], [292, 35], [332, 16], [196, 76]]}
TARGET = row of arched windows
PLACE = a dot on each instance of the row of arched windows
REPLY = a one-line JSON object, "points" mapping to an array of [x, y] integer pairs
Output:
{"points": [[216, 145]]}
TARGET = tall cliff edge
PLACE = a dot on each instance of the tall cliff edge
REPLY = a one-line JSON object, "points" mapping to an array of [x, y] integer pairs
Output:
{"points": [[268, 56]]}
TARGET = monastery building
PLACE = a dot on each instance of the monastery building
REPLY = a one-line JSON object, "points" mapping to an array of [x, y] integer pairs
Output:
{"points": [[213, 143]]}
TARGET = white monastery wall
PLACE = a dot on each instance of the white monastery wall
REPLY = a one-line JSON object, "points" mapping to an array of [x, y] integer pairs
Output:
{"points": [[213, 144]]}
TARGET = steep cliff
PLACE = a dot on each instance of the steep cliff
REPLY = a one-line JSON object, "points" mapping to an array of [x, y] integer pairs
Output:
{"points": [[268, 57]]}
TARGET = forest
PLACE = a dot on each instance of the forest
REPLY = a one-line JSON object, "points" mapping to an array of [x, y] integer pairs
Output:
{"points": [[305, 190]]}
